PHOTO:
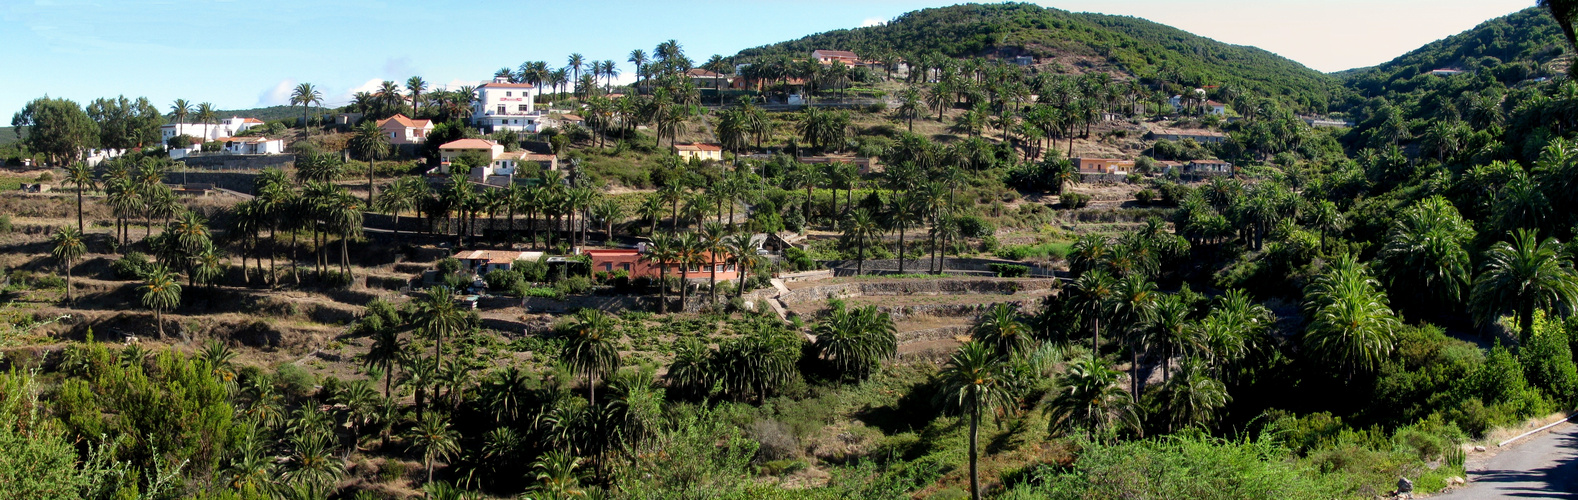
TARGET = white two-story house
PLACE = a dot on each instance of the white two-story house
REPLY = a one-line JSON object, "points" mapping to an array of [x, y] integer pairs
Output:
{"points": [[502, 105], [204, 132]]}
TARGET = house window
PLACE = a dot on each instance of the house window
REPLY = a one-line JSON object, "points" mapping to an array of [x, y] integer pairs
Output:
{"points": [[522, 108], [501, 109], [506, 93], [625, 266], [391, 135], [608, 266]]}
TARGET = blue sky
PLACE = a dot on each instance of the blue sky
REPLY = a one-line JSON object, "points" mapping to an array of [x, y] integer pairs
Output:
{"points": [[243, 54]]}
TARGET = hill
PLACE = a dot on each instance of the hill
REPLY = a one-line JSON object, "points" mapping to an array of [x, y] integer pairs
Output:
{"points": [[270, 113], [8, 135], [1527, 42], [1137, 47]]}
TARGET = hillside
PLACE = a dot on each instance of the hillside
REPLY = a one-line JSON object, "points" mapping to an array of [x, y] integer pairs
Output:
{"points": [[270, 113], [8, 135], [1527, 41], [1128, 45]]}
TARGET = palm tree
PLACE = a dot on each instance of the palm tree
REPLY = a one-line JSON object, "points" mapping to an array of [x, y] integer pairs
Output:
{"points": [[180, 110], [663, 250], [206, 114], [80, 175], [855, 341], [1426, 250], [416, 86], [712, 242], [1002, 330], [68, 247], [610, 212], [1171, 331], [1093, 294], [160, 292], [689, 248], [977, 380], [592, 347], [371, 144], [385, 352], [860, 226], [306, 95], [742, 251], [1193, 397], [1133, 308], [435, 439], [311, 468], [574, 65], [556, 474], [1523, 276], [638, 58], [1091, 399], [1351, 324]]}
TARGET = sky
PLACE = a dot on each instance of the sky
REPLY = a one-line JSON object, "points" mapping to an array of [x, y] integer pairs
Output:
{"points": [[240, 54]]}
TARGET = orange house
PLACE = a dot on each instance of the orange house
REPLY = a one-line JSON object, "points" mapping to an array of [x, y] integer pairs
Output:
{"points": [[612, 260]]}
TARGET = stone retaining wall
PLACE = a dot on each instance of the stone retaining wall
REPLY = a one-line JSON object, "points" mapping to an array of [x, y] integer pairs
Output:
{"points": [[997, 286]]}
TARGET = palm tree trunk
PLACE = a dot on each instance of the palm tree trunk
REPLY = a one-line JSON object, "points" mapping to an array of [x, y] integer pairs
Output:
{"points": [[901, 248], [975, 476], [663, 288]]}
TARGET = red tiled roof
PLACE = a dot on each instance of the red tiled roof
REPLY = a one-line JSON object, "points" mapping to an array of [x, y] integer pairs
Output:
{"points": [[251, 120], [469, 144], [836, 53], [404, 121], [505, 85]]}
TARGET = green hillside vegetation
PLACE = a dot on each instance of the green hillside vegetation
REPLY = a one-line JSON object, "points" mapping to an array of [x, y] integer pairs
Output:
{"points": [[1145, 49], [268, 114], [8, 135], [1518, 46]]}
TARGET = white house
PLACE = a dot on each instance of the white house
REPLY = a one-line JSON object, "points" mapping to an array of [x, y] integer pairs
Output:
{"points": [[832, 56], [1216, 108], [502, 105], [253, 145], [210, 131]]}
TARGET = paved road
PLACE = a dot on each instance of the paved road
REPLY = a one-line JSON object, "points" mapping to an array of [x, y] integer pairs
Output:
{"points": [[1542, 466]]}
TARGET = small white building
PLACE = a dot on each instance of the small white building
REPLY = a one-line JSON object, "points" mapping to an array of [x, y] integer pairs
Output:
{"points": [[502, 105], [1215, 108], [253, 145], [202, 132]]}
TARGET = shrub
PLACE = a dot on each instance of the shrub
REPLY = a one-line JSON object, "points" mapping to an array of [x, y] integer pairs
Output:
{"points": [[1145, 196], [1548, 362], [1074, 200], [1010, 270], [449, 265], [501, 280], [574, 285], [294, 381], [971, 226], [797, 260], [5, 224], [130, 266]]}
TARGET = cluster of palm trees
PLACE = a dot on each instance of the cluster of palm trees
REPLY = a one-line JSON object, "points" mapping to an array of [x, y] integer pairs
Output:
{"points": [[204, 113], [311, 204], [551, 205], [417, 99], [712, 244]]}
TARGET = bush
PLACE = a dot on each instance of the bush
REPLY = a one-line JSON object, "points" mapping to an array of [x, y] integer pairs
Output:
{"points": [[5, 224], [294, 381], [449, 265], [501, 280], [1145, 196], [1548, 362], [130, 266], [797, 260], [971, 226], [574, 285], [1010, 270], [1074, 200]]}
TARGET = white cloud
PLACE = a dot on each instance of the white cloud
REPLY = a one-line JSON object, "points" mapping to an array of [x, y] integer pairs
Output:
{"points": [[873, 21], [344, 98], [278, 95], [457, 83]]}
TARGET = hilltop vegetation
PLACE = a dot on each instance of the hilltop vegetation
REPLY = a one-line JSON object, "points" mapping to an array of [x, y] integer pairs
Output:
{"points": [[1518, 46], [1143, 49]]}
